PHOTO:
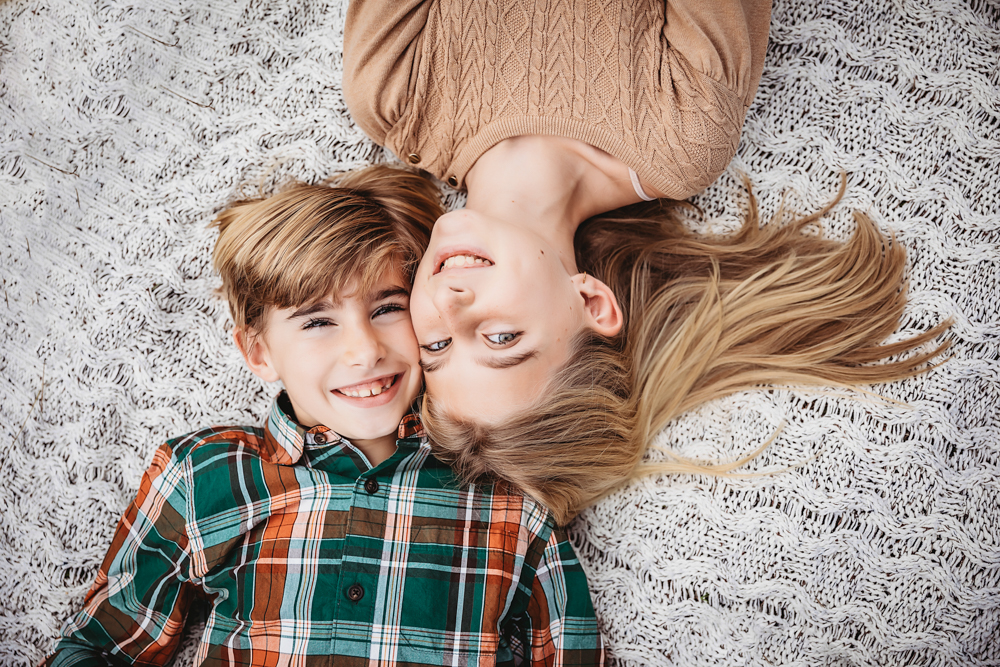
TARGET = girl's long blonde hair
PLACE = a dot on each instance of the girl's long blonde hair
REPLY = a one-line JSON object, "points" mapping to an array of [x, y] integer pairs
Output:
{"points": [[704, 317]]}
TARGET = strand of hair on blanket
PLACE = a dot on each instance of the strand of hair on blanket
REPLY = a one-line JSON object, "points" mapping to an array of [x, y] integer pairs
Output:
{"points": [[38, 397], [203, 106], [52, 166], [158, 41]]}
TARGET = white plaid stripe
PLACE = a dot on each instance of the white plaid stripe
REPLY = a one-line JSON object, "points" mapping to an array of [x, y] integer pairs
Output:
{"points": [[246, 512]]}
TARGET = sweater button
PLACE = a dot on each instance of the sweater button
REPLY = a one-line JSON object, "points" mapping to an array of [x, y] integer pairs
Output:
{"points": [[355, 592], [414, 158], [453, 181], [371, 486]]}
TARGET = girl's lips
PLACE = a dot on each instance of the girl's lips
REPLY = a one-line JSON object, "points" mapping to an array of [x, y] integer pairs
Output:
{"points": [[452, 251], [371, 401]]}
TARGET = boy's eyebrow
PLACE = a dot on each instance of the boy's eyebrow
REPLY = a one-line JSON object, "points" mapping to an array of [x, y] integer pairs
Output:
{"points": [[390, 292], [310, 309], [322, 304]]}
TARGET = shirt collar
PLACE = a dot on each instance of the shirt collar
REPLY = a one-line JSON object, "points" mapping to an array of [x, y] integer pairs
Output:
{"points": [[410, 427], [285, 439]]}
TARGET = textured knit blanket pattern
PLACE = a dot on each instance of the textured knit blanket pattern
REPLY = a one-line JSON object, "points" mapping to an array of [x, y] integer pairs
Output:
{"points": [[874, 537]]}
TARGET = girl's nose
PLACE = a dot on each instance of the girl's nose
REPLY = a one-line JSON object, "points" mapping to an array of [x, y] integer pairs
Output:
{"points": [[452, 301]]}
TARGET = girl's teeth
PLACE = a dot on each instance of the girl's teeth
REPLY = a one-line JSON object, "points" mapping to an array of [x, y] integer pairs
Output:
{"points": [[465, 260]]}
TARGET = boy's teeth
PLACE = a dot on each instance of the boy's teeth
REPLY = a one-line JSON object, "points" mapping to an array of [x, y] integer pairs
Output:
{"points": [[369, 389], [465, 260]]}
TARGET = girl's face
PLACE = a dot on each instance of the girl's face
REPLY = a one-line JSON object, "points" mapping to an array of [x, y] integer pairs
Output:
{"points": [[495, 312]]}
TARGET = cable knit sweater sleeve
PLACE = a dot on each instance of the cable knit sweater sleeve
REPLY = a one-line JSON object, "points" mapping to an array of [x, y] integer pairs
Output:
{"points": [[664, 87], [381, 46], [723, 39], [712, 59]]}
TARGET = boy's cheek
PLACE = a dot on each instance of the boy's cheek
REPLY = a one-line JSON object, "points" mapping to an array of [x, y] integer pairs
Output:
{"points": [[416, 385], [404, 343]]}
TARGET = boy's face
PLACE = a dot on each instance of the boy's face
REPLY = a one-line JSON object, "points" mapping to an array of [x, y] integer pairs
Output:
{"points": [[351, 365]]}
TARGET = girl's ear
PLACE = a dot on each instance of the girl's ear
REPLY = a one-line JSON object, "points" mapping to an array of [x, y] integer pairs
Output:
{"points": [[600, 310], [254, 350]]}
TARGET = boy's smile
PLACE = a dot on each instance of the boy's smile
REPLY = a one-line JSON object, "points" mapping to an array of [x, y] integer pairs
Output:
{"points": [[370, 394], [350, 364]]}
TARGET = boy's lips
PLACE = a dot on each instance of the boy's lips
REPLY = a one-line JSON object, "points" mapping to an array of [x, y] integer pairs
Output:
{"points": [[364, 393]]}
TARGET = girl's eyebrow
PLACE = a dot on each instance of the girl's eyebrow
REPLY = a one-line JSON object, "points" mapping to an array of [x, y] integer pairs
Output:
{"points": [[507, 362], [431, 366], [489, 362]]}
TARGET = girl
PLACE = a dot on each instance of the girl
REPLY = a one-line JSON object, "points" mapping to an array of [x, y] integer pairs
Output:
{"points": [[554, 350]]}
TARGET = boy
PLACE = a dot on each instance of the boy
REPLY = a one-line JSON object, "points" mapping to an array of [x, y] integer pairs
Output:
{"points": [[332, 535]]}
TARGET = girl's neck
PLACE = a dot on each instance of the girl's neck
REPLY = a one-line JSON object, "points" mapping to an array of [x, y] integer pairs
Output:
{"points": [[550, 184]]}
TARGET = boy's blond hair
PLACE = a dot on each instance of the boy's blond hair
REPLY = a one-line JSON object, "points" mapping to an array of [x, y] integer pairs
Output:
{"points": [[309, 241]]}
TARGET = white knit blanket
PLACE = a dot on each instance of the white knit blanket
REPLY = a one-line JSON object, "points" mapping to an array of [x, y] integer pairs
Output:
{"points": [[125, 125]]}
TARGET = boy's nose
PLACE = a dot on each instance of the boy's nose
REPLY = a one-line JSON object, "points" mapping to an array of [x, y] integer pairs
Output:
{"points": [[364, 348]]}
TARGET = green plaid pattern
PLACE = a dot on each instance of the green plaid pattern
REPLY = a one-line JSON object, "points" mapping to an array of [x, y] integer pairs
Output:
{"points": [[308, 555]]}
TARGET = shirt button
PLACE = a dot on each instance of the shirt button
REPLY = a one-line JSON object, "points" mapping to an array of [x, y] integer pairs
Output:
{"points": [[355, 592], [371, 486], [319, 438], [414, 158], [453, 181]]}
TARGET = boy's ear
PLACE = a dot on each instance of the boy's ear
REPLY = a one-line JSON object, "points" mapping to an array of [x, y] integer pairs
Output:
{"points": [[600, 310], [254, 350]]}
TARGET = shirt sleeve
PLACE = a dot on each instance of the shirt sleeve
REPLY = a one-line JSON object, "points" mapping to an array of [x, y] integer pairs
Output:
{"points": [[136, 609], [381, 45], [711, 63], [723, 39], [562, 627]]}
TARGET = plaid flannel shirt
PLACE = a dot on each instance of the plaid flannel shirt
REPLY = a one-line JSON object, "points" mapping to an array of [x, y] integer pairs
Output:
{"points": [[309, 555]]}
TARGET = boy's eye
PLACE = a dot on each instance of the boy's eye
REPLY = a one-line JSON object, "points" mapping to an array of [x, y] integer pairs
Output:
{"points": [[504, 338], [387, 308], [437, 346], [317, 322]]}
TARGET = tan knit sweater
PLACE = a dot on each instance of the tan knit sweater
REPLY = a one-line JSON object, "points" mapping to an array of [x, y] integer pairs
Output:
{"points": [[663, 87]]}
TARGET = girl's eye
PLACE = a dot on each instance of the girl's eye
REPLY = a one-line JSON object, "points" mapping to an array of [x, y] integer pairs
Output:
{"points": [[505, 338], [317, 322], [437, 346], [387, 308]]}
